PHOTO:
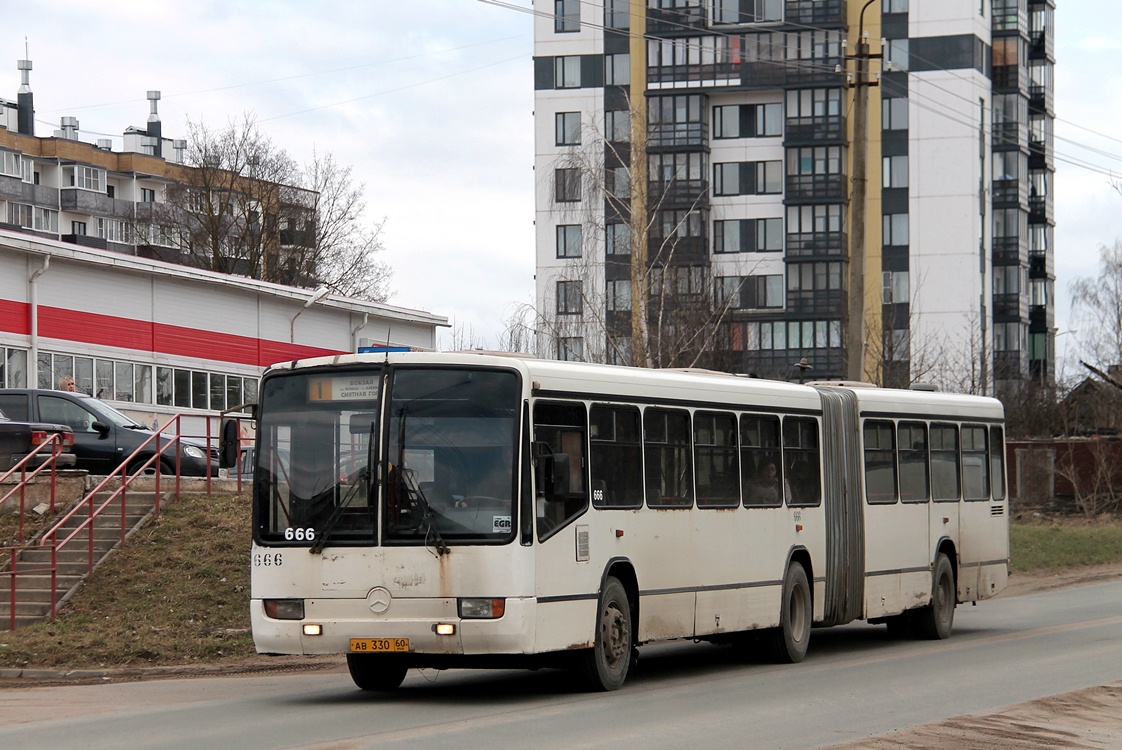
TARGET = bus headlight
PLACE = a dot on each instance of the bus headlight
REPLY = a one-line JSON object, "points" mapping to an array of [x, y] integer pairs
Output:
{"points": [[284, 609], [482, 609]]}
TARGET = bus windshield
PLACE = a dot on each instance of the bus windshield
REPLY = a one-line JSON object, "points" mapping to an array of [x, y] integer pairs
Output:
{"points": [[334, 467], [450, 454]]}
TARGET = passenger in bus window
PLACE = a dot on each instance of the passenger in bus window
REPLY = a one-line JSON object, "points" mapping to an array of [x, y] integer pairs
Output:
{"points": [[765, 490]]}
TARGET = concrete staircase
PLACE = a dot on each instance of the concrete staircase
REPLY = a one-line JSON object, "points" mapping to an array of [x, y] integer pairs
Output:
{"points": [[33, 587]]}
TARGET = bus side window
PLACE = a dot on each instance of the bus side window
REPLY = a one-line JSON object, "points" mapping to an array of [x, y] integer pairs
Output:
{"points": [[560, 427], [761, 462], [997, 463], [615, 457], [975, 463], [666, 443], [880, 461], [803, 456], [944, 462], [716, 459], [913, 462]]}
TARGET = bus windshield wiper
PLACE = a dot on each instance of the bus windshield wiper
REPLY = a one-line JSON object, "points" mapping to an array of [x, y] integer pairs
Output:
{"points": [[360, 477]]}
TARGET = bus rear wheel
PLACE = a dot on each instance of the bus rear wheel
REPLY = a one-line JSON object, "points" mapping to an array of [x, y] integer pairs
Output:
{"points": [[605, 666], [376, 673], [788, 643], [934, 621]]}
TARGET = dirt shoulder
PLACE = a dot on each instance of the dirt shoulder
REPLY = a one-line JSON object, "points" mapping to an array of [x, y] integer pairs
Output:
{"points": [[1037, 581]]}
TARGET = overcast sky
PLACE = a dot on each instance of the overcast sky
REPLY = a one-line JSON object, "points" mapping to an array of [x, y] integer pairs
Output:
{"points": [[431, 102]]}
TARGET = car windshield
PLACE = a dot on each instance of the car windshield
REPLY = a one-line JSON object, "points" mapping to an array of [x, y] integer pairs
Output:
{"points": [[444, 470], [109, 414]]}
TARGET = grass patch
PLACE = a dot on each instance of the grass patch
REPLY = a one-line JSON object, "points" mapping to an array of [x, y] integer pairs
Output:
{"points": [[1051, 545], [176, 593]]}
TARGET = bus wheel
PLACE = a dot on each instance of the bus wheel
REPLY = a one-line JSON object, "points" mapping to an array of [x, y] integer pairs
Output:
{"points": [[376, 673], [788, 643], [934, 621], [605, 665]]}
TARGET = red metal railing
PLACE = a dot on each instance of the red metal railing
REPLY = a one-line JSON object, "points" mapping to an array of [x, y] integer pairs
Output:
{"points": [[54, 443]]}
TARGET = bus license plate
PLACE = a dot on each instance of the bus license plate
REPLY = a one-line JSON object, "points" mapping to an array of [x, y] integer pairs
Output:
{"points": [[379, 645]]}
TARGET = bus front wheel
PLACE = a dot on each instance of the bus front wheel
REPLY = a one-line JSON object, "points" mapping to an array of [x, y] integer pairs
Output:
{"points": [[376, 673], [788, 643], [604, 666], [934, 621]]}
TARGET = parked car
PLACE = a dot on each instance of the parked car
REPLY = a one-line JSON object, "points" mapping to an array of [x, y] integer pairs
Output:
{"points": [[103, 436], [18, 439]]}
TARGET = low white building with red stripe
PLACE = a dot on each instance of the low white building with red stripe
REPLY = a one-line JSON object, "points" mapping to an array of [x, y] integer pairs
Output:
{"points": [[156, 339]]}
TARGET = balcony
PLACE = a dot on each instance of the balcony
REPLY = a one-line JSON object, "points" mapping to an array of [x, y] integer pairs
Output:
{"points": [[1009, 365], [816, 12], [1010, 307], [678, 250], [1041, 156], [678, 194], [1009, 251], [1010, 193], [817, 303], [98, 204], [1041, 208], [803, 131], [818, 188], [819, 70], [673, 21], [1010, 135], [698, 75], [1042, 99], [1007, 78], [678, 135], [816, 244]]}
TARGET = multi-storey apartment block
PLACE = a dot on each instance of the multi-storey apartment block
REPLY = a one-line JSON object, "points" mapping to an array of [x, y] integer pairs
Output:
{"points": [[699, 156]]}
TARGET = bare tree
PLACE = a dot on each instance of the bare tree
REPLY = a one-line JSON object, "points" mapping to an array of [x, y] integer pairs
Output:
{"points": [[1097, 308], [242, 205]]}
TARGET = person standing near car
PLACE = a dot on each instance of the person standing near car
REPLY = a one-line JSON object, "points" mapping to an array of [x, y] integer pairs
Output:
{"points": [[66, 383]]}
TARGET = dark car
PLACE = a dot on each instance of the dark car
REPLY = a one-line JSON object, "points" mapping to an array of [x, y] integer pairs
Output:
{"points": [[18, 439], [103, 436]]}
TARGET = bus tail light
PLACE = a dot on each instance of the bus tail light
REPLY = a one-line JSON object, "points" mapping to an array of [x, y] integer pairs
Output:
{"points": [[284, 609], [482, 609]]}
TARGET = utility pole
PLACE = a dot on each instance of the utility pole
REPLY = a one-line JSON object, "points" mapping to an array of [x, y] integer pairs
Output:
{"points": [[853, 323]]}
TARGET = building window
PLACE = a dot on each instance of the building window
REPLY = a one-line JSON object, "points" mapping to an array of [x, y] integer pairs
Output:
{"points": [[894, 114], [895, 229], [113, 230], [11, 164], [748, 178], [895, 172], [617, 184], [84, 178], [678, 224], [748, 121], [570, 349], [566, 185], [569, 298], [618, 239], [750, 292], [814, 103], [566, 15], [617, 69], [78, 228], [147, 195], [814, 160], [44, 220], [895, 6], [619, 295], [617, 14], [617, 125], [814, 277], [748, 236], [895, 287], [19, 214], [567, 128], [566, 72], [675, 167], [747, 11], [569, 240], [896, 54]]}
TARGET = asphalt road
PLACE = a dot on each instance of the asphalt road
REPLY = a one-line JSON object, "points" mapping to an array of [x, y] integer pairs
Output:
{"points": [[855, 683]]}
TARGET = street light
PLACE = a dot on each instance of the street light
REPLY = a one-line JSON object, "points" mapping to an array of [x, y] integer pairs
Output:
{"points": [[317, 295]]}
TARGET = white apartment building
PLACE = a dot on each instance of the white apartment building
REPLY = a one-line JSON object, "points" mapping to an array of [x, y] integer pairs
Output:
{"points": [[726, 128]]}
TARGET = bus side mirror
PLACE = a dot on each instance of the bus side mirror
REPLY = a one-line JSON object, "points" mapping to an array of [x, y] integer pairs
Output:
{"points": [[228, 443]]}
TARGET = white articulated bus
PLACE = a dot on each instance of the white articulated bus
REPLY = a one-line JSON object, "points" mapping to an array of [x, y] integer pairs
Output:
{"points": [[476, 510]]}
